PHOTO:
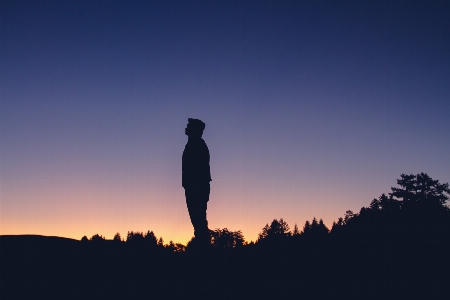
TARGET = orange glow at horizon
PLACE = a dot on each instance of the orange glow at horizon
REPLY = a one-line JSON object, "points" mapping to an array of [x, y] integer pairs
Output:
{"points": [[77, 211], [78, 201]]}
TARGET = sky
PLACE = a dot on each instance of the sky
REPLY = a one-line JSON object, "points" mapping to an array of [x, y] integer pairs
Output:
{"points": [[311, 109]]}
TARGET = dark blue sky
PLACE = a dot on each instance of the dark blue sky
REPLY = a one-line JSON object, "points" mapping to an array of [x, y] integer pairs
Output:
{"points": [[311, 108]]}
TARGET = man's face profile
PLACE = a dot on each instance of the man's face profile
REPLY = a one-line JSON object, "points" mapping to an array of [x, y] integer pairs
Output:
{"points": [[192, 131], [187, 130]]}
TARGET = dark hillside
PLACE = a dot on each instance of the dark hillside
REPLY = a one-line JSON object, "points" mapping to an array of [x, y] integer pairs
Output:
{"points": [[58, 268], [30, 264]]}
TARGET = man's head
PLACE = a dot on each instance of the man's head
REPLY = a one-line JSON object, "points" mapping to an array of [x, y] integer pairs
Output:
{"points": [[194, 128]]}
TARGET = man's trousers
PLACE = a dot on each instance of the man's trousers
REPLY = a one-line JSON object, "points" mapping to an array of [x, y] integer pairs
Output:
{"points": [[197, 198]]}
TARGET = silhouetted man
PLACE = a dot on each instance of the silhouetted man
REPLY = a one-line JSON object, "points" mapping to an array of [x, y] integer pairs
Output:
{"points": [[196, 178]]}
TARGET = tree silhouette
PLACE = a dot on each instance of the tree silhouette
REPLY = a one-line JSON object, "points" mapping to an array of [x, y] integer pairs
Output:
{"points": [[385, 203], [348, 216], [295, 231], [315, 230], [117, 237], [337, 228], [322, 229], [306, 228], [415, 211], [133, 237], [225, 239], [420, 190], [277, 230], [175, 247], [150, 238], [97, 238]]}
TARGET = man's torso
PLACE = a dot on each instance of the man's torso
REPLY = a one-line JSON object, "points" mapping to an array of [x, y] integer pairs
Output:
{"points": [[195, 164]]}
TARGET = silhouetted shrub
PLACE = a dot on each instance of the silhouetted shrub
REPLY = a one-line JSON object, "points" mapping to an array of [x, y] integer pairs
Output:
{"points": [[225, 239], [97, 238], [175, 248]]}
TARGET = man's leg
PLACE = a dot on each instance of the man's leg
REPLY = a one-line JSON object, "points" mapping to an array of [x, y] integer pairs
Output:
{"points": [[201, 226], [196, 201], [197, 213]]}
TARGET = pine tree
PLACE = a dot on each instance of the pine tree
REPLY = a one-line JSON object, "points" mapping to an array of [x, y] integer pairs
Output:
{"points": [[117, 237], [295, 231], [420, 190], [306, 228]]}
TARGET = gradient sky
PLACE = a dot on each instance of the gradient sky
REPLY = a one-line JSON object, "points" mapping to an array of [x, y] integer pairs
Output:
{"points": [[311, 109]]}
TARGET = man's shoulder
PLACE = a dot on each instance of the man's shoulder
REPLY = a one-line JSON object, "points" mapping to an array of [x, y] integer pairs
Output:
{"points": [[203, 142], [196, 147]]}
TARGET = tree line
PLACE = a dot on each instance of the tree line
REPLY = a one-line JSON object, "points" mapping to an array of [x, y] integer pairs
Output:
{"points": [[415, 210]]}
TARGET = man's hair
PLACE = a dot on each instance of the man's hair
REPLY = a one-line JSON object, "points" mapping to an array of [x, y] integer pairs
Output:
{"points": [[196, 124]]}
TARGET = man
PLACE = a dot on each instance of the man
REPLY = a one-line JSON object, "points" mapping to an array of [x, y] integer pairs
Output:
{"points": [[195, 179]]}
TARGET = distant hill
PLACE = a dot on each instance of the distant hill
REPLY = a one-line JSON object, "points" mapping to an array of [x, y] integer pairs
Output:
{"points": [[36, 265], [14, 245], [34, 238]]}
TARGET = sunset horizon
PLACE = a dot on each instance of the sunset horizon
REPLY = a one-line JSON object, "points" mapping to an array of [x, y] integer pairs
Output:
{"points": [[311, 109]]}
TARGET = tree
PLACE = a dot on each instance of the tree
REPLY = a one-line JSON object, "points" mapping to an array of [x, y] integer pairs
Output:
{"points": [[315, 230], [337, 227], [421, 190], [295, 231], [150, 238], [387, 203], [348, 216], [223, 238], [117, 237], [134, 236], [322, 229], [278, 229], [306, 227], [97, 238], [176, 248], [264, 232]]}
